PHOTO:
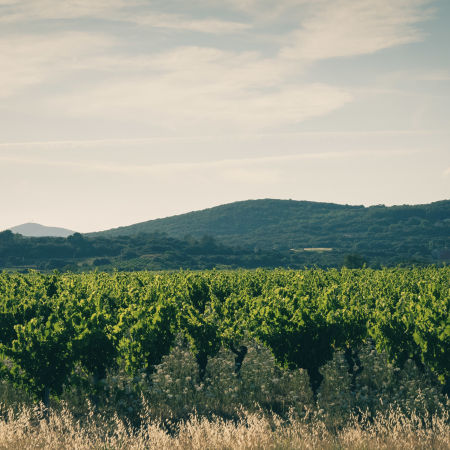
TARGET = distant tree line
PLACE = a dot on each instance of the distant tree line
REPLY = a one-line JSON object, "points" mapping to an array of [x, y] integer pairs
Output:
{"points": [[158, 251]]}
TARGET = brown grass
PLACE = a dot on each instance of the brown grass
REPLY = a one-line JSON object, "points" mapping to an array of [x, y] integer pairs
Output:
{"points": [[29, 429]]}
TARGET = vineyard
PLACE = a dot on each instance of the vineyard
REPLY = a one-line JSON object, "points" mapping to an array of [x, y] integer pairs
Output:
{"points": [[209, 342]]}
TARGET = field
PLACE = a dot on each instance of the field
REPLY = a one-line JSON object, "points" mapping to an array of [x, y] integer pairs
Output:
{"points": [[238, 359]]}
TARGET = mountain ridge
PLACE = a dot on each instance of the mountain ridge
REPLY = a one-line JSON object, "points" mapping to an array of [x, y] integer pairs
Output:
{"points": [[272, 223], [139, 225], [257, 233], [32, 229]]}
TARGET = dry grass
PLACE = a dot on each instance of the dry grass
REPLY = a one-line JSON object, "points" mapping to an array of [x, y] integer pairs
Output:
{"points": [[173, 410], [29, 429]]}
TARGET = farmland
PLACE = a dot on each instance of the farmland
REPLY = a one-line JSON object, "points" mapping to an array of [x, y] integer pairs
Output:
{"points": [[313, 343]]}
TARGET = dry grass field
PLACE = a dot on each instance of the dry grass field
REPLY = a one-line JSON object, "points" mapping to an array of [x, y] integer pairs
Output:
{"points": [[387, 408], [60, 430]]}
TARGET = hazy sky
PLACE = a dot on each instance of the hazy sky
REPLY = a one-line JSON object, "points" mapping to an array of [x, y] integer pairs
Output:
{"points": [[118, 111]]}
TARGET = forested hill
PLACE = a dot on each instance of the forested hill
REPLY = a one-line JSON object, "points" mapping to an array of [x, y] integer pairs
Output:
{"points": [[259, 233], [287, 224]]}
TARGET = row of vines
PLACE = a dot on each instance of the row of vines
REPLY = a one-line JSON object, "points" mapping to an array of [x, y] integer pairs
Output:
{"points": [[52, 325]]}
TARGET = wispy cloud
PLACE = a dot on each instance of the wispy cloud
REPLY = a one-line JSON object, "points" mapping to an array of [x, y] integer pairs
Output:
{"points": [[28, 60], [133, 11], [193, 87], [228, 165], [187, 88], [343, 28], [111, 142], [198, 103], [18, 11], [180, 23]]}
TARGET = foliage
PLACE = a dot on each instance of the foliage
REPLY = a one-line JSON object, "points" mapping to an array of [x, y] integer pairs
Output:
{"points": [[250, 234], [56, 328]]}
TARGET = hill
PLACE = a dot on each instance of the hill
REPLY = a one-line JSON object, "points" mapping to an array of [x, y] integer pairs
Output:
{"points": [[379, 233], [235, 220], [257, 233], [38, 230]]}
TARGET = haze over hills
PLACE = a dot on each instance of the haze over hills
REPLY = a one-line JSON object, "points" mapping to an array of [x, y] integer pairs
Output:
{"points": [[38, 230]]}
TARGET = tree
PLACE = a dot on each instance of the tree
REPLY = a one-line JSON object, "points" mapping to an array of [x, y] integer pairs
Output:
{"points": [[354, 261]]}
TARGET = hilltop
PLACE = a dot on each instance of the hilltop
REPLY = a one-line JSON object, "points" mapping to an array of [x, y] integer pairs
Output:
{"points": [[249, 234], [38, 230], [407, 231]]}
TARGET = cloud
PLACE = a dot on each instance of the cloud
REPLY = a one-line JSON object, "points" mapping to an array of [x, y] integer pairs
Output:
{"points": [[230, 167], [28, 60], [133, 11], [145, 141], [184, 109], [186, 89], [344, 28], [190, 88], [268, 10], [177, 22], [14, 11]]}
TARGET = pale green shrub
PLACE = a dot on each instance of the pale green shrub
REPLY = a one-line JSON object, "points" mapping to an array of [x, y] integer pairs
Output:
{"points": [[335, 400], [378, 387], [266, 384], [381, 385], [175, 389]]}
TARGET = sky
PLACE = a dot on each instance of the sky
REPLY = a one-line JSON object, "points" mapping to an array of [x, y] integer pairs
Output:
{"points": [[114, 112]]}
